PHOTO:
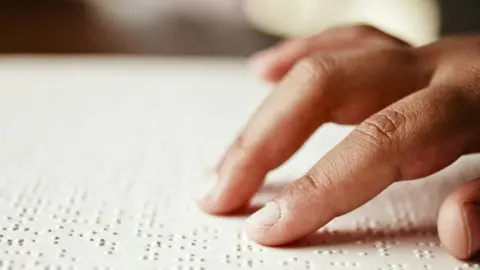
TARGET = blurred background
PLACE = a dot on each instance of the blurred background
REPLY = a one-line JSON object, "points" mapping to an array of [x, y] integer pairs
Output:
{"points": [[211, 27]]}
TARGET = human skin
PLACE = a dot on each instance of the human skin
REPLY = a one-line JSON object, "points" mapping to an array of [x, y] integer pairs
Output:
{"points": [[417, 110]]}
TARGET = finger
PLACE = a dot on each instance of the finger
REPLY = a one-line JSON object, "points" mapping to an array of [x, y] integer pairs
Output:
{"points": [[459, 221], [272, 64], [412, 138], [344, 88]]}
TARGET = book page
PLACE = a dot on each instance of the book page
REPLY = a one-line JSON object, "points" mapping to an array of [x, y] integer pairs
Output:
{"points": [[100, 160]]}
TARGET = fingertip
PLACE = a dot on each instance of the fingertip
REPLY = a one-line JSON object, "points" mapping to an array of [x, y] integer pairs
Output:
{"points": [[459, 221], [273, 64], [213, 206], [459, 227], [452, 231], [208, 192], [209, 195], [227, 195], [263, 226], [258, 236], [471, 215], [263, 67], [220, 205], [277, 225]]}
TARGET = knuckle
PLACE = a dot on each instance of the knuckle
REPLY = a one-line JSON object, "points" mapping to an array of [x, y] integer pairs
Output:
{"points": [[319, 180], [236, 151], [239, 143], [324, 182], [456, 103], [383, 129], [461, 109], [320, 69], [243, 149], [323, 177], [468, 92], [321, 185]]}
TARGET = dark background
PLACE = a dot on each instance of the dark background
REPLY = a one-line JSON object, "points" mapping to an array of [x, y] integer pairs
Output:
{"points": [[54, 26]]}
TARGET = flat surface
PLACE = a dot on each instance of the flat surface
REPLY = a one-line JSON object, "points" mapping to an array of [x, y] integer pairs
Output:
{"points": [[100, 160]]}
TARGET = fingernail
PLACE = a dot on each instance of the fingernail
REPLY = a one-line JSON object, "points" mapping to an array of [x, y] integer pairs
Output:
{"points": [[207, 189], [471, 217], [266, 217]]}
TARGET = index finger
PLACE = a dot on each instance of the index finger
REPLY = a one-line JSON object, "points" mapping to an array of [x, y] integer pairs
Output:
{"points": [[412, 138], [317, 89]]}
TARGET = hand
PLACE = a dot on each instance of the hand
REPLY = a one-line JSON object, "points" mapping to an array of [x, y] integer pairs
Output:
{"points": [[417, 110]]}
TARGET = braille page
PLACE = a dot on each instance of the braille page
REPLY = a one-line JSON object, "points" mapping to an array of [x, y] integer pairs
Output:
{"points": [[100, 161]]}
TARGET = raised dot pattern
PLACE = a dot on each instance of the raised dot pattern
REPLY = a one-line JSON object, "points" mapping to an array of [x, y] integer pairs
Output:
{"points": [[81, 189], [44, 231]]}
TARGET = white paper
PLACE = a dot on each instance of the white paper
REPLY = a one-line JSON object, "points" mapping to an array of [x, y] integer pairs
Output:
{"points": [[100, 160]]}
